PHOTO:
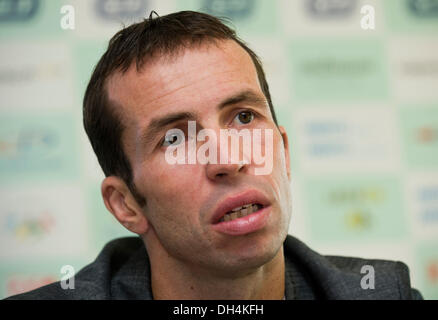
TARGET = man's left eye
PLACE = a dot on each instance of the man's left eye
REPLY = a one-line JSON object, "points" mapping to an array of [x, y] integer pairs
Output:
{"points": [[244, 117]]}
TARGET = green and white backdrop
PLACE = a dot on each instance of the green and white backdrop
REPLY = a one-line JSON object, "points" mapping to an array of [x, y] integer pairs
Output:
{"points": [[360, 107]]}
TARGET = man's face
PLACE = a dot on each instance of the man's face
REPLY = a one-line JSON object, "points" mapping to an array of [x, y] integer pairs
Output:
{"points": [[183, 200]]}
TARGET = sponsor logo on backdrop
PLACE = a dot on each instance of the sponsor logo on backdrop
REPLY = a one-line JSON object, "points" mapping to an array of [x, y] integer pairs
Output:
{"points": [[116, 10], [428, 197], [24, 226], [326, 147], [423, 8], [432, 272], [351, 67], [18, 10], [42, 72], [369, 195], [328, 139], [234, 9], [420, 132], [29, 143], [358, 220], [430, 215], [331, 8], [354, 208], [346, 139], [338, 69], [37, 146], [16, 283], [423, 68], [427, 134]]}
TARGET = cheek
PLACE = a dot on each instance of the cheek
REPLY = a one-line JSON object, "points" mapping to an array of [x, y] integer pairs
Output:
{"points": [[172, 187], [279, 155], [173, 205], [279, 171]]}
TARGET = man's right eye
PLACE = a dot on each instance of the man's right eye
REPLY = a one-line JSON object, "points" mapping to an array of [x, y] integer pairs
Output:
{"points": [[172, 139]]}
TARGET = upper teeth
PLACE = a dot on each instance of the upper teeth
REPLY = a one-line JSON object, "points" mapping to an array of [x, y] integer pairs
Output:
{"points": [[239, 212], [240, 208]]}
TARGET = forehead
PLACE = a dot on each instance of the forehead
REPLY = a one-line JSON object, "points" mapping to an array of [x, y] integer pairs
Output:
{"points": [[196, 78]]}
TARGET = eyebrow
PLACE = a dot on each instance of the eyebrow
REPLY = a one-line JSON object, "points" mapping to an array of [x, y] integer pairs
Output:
{"points": [[157, 124], [247, 96]]}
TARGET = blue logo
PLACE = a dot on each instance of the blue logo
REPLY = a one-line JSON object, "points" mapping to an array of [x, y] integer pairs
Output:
{"points": [[423, 8], [430, 215], [117, 10], [429, 194], [36, 141], [330, 132], [331, 8], [18, 10], [328, 149], [234, 9], [323, 128], [30, 143]]}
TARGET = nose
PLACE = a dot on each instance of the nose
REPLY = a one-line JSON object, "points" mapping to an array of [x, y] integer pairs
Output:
{"points": [[232, 157], [220, 171]]}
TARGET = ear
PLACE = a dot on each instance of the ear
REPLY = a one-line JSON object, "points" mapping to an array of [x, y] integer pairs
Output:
{"points": [[286, 148], [121, 203]]}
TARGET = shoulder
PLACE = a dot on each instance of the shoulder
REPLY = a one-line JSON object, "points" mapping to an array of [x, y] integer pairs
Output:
{"points": [[94, 280], [338, 277]]}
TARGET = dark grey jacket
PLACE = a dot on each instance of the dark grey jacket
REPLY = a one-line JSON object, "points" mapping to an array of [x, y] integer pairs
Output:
{"points": [[122, 271]]}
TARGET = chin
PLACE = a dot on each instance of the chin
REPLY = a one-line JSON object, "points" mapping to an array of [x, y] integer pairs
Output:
{"points": [[247, 259]]}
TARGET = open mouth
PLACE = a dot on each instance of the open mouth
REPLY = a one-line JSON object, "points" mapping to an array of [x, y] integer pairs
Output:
{"points": [[241, 211]]}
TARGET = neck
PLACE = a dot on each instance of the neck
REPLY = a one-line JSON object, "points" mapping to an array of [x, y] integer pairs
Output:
{"points": [[172, 279]]}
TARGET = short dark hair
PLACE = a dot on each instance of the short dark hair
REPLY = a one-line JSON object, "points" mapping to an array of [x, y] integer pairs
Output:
{"points": [[153, 37]]}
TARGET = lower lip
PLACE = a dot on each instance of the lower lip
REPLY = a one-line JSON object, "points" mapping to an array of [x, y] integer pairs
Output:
{"points": [[250, 223]]}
